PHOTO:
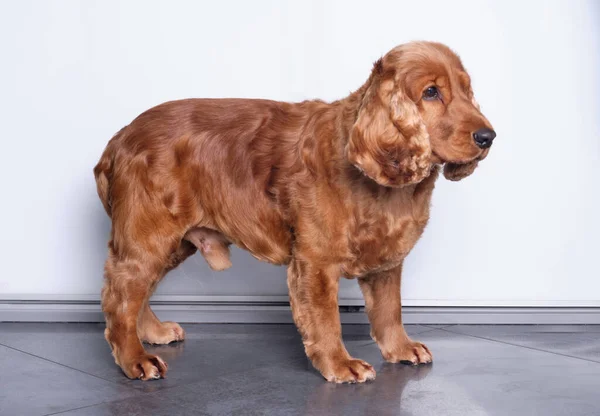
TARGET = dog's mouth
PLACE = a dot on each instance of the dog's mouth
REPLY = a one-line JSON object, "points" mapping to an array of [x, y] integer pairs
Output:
{"points": [[457, 170], [483, 154], [438, 160]]}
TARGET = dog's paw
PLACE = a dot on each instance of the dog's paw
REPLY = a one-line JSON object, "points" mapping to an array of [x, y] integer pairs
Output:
{"points": [[166, 333], [409, 352], [145, 367], [350, 371]]}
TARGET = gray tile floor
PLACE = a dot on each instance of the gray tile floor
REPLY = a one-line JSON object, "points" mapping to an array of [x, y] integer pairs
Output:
{"points": [[261, 369]]}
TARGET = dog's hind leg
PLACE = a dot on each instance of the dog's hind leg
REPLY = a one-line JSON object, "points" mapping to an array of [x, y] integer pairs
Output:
{"points": [[129, 281], [144, 246], [213, 245], [150, 329]]}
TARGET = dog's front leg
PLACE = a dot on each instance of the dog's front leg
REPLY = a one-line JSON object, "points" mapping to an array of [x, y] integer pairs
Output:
{"points": [[382, 301], [313, 298]]}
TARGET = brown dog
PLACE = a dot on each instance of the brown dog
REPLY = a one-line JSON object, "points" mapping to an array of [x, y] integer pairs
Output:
{"points": [[330, 189]]}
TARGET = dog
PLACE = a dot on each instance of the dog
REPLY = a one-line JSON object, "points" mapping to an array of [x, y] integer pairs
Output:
{"points": [[331, 190]]}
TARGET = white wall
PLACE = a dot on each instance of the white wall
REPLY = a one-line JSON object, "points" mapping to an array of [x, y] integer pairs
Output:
{"points": [[522, 231]]}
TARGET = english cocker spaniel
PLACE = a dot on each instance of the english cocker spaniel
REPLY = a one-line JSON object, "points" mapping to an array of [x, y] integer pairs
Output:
{"points": [[331, 190]]}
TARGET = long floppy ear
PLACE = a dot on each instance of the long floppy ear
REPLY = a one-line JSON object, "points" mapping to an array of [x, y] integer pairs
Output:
{"points": [[389, 141], [456, 172]]}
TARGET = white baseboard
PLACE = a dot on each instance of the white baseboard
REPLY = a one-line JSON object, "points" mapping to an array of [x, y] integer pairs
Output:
{"points": [[279, 312]]}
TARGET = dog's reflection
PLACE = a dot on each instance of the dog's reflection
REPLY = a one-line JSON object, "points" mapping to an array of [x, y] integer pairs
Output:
{"points": [[363, 398], [166, 351]]}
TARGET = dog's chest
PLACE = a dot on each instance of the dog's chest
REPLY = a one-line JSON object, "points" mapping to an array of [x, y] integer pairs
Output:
{"points": [[384, 229]]}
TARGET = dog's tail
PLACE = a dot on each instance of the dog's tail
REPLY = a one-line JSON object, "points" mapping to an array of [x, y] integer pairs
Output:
{"points": [[104, 172]]}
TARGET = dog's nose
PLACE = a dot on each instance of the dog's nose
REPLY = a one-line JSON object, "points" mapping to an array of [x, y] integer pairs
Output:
{"points": [[484, 137]]}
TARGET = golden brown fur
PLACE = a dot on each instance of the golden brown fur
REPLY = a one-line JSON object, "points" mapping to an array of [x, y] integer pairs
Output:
{"points": [[332, 190]]}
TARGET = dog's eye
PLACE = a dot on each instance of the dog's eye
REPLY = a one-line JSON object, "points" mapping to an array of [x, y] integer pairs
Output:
{"points": [[431, 93]]}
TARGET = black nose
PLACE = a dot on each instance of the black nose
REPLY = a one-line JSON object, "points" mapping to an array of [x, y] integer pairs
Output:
{"points": [[484, 137]]}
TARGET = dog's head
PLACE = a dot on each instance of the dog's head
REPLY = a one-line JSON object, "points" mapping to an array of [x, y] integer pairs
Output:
{"points": [[418, 110]]}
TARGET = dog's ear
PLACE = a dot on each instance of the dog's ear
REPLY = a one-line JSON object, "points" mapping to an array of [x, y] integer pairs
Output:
{"points": [[389, 141], [456, 172]]}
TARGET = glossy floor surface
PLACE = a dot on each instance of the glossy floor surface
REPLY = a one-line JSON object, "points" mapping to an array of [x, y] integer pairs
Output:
{"points": [[261, 369]]}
